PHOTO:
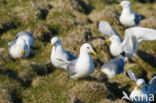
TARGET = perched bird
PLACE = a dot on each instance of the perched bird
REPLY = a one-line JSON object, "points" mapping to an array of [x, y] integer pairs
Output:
{"points": [[133, 37], [59, 57], [114, 67], [28, 37], [18, 48], [127, 17], [141, 94], [83, 66]]}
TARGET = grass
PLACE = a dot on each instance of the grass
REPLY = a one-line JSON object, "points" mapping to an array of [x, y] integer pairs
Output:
{"points": [[35, 80]]}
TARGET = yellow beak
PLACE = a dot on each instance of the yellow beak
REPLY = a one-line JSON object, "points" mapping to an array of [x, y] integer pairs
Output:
{"points": [[93, 52], [119, 5], [23, 52], [51, 45], [108, 41]]}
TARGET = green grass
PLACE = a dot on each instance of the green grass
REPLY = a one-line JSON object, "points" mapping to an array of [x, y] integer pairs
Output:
{"points": [[35, 80]]}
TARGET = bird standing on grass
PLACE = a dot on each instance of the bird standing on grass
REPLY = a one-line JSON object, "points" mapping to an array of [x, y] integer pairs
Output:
{"points": [[83, 66], [127, 17], [59, 57], [141, 94]]}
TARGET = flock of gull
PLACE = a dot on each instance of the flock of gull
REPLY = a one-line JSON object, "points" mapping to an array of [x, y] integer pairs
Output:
{"points": [[82, 66]]}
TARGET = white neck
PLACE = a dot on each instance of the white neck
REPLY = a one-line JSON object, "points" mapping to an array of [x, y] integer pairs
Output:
{"points": [[58, 49], [85, 57], [126, 11]]}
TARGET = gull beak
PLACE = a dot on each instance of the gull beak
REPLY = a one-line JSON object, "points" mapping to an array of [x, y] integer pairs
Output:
{"points": [[93, 52], [51, 45], [108, 41], [119, 5], [23, 52]]}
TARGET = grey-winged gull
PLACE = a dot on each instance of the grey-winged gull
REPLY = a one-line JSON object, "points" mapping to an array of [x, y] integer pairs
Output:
{"points": [[141, 94], [59, 57], [83, 66], [127, 17]]}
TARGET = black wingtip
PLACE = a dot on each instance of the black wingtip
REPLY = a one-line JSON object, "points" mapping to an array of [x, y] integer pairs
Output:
{"points": [[123, 54], [97, 24], [127, 73]]}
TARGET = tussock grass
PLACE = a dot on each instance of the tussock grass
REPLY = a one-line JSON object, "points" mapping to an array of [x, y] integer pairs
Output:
{"points": [[35, 80]]}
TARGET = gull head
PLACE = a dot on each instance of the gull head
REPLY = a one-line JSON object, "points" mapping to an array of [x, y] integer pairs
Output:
{"points": [[125, 4], [140, 83], [86, 47], [55, 41], [114, 39]]}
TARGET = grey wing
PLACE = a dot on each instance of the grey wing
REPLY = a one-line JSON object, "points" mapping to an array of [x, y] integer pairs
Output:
{"points": [[131, 75], [70, 57], [134, 35], [137, 19], [71, 67], [152, 86], [105, 28]]}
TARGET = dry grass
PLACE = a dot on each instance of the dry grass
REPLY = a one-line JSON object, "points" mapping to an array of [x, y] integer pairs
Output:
{"points": [[35, 80]]}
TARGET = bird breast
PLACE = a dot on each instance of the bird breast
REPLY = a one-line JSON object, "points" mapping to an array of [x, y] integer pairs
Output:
{"points": [[85, 65]]}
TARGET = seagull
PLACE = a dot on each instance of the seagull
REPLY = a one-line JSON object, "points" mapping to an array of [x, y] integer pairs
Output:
{"points": [[59, 57], [18, 48], [28, 37], [127, 17], [133, 37], [115, 66], [83, 66], [141, 94]]}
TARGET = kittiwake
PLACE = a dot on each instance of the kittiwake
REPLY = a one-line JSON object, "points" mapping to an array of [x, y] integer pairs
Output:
{"points": [[83, 66], [141, 94], [59, 57]]}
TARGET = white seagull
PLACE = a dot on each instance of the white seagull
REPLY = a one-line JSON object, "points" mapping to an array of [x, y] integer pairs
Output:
{"points": [[114, 67], [18, 48], [133, 37], [59, 57], [83, 66], [127, 17], [141, 94]]}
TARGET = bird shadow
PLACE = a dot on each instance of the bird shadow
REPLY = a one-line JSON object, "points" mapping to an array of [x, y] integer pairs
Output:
{"points": [[145, 1], [7, 26], [86, 7], [43, 69], [14, 75], [148, 58]]}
